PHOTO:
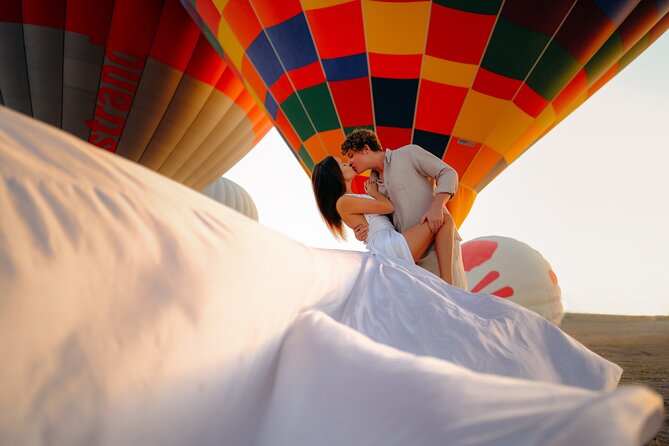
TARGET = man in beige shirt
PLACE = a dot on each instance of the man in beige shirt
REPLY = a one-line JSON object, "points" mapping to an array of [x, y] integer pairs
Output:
{"points": [[407, 177]]}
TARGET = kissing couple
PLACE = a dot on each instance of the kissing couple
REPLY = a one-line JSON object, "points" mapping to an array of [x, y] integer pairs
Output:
{"points": [[402, 183]]}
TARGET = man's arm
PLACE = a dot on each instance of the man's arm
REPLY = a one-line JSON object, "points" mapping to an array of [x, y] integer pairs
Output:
{"points": [[430, 166], [446, 178]]}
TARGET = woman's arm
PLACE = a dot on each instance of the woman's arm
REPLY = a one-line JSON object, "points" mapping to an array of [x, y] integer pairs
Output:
{"points": [[380, 204]]}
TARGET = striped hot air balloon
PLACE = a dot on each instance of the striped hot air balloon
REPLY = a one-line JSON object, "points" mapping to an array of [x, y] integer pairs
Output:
{"points": [[476, 82], [133, 77], [232, 195]]}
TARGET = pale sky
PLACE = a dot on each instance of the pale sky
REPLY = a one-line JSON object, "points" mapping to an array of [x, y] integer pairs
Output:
{"points": [[590, 196]]}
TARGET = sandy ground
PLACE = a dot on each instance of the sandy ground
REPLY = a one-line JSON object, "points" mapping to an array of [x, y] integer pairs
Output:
{"points": [[639, 344]]}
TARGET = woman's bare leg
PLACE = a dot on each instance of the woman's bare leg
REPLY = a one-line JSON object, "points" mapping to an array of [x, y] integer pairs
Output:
{"points": [[420, 236], [444, 245]]}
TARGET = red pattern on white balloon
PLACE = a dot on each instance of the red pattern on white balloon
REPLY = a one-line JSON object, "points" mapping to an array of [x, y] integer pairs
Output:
{"points": [[476, 253]]}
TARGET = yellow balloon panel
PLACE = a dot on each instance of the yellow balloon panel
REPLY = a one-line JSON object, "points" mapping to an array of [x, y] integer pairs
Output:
{"points": [[390, 27], [478, 115], [448, 72]]}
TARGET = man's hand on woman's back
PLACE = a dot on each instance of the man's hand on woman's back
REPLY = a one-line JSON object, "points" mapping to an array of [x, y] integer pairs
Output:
{"points": [[361, 232]]}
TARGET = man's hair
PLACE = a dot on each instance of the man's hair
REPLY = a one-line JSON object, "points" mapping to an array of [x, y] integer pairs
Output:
{"points": [[357, 139]]}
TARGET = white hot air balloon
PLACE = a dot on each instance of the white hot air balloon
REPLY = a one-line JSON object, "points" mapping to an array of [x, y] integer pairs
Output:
{"points": [[511, 269], [231, 194]]}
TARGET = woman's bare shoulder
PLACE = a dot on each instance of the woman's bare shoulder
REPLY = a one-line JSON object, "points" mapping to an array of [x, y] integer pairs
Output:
{"points": [[348, 202], [345, 201]]}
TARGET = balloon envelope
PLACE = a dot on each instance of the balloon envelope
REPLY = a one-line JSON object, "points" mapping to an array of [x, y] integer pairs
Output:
{"points": [[475, 82], [135, 78], [231, 194], [511, 269]]}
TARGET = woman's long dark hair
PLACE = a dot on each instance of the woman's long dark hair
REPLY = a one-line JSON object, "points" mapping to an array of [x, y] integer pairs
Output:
{"points": [[328, 183]]}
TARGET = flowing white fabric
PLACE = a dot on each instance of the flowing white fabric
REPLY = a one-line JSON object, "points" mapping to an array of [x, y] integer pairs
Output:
{"points": [[407, 307], [383, 238], [134, 311], [334, 386]]}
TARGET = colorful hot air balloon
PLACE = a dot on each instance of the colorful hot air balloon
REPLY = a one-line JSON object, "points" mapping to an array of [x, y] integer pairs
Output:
{"points": [[511, 269], [232, 195], [476, 82], [133, 77]]}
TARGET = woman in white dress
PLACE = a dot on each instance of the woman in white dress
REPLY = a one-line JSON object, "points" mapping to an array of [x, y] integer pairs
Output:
{"points": [[397, 303], [339, 206]]}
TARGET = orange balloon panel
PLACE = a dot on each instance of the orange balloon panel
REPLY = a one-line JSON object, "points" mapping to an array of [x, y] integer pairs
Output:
{"points": [[135, 78], [476, 82]]}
